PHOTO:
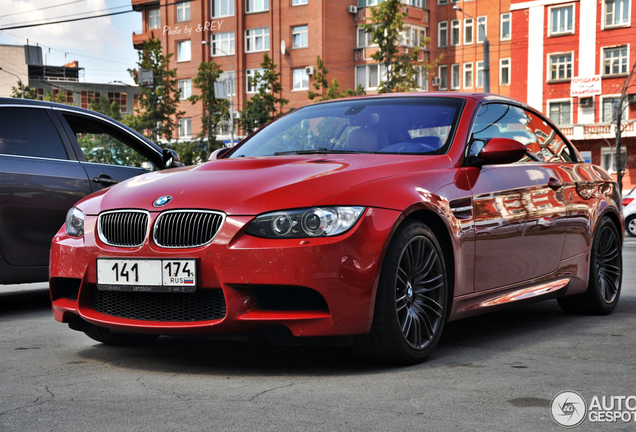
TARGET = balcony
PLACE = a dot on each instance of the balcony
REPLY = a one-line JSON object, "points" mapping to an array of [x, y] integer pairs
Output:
{"points": [[140, 37], [598, 130], [139, 5]]}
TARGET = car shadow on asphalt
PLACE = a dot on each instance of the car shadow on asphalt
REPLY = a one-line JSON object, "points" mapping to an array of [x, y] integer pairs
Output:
{"points": [[473, 339], [18, 301]]}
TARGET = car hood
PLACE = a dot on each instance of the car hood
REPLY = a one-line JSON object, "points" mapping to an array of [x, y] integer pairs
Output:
{"points": [[250, 186]]}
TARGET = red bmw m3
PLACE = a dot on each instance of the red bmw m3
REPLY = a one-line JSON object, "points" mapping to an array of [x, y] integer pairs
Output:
{"points": [[372, 220]]}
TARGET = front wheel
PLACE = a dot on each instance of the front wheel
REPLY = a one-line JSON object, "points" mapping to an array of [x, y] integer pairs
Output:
{"points": [[606, 272], [412, 299]]}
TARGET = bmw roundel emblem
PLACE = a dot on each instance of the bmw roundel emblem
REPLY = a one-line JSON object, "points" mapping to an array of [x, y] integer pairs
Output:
{"points": [[162, 201]]}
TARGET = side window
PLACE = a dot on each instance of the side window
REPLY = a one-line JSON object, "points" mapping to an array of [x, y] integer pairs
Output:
{"points": [[29, 132], [105, 144], [506, 121], [553, 148]]}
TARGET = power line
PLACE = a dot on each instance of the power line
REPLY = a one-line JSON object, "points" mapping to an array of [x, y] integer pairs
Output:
{"points": [[47, 7], [39, 21]]}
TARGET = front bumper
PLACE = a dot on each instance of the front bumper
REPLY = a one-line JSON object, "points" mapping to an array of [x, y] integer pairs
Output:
{"points": [[314, 287]]}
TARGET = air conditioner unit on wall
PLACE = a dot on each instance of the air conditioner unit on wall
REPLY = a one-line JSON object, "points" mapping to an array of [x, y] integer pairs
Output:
{"points": [[309, 70], [436, 81], [352, 9], [586, 102]]}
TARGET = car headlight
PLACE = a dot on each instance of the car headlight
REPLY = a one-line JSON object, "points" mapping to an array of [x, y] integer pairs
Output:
{"points": [[74, 225], [312, 222]]}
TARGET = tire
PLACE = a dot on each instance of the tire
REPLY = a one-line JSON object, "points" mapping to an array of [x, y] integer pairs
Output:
{"points": [[109, 337], [606, 271], [630, 226], [412, 299]]}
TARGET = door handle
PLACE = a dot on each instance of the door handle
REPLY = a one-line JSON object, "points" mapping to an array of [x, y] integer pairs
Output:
{"points": [[555, 184], [104, 180]]}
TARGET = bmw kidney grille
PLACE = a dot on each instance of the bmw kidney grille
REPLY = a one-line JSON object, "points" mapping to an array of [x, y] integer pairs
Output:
{"points": [[123, 228]]}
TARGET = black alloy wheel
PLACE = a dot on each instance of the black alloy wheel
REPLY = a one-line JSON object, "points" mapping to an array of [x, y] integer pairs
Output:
{"points": [[412, 300]]}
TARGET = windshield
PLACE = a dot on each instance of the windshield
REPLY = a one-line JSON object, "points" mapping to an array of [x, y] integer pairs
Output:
{"points": [[405, 125]]}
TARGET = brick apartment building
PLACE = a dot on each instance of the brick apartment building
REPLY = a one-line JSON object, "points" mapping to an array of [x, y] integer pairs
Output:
{"points": [[570, 61], [535, 50], [240, 32]]}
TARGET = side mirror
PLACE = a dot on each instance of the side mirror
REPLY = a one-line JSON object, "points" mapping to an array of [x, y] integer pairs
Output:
{"points": [[216, 154], [497, 151], [171, 159]]}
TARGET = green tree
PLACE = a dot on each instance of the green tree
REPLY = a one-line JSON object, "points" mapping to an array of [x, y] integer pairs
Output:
{"points": [[159, 101], [214, 110], [29, 93], [261, 109], [324, 90], [402, 65], [106, 107]]}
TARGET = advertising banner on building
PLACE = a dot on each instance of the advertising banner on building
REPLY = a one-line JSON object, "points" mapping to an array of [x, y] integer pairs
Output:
{"points": [[586, 86]]}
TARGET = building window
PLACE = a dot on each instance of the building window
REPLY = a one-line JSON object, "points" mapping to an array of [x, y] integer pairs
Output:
{"points": [[412, 36], [562, 20], [422, 79], [221, 8], [185, 88], [616, 13], [505, 26], [442, 34], [299, 37], [482, 29], [183, 51], [183, 11], [442, 2], [480, 73], [252, 87], [468, 75], [185, 128], [455, 33], [257, 39], [364, 38], [455, 77], [299, 2], [301, 79], [256, 5], [560, 112], [154, 19], [615, 61], [611, 109], [560, 67], [370, 76], [468, 31], [608, 158], [442, 72], [222, 43], [504, 71]]}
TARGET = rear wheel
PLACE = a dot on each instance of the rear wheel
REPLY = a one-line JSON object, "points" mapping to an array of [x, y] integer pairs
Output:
{"points": [[606, 271], [412, 299], [109, 337], [630, 226]]}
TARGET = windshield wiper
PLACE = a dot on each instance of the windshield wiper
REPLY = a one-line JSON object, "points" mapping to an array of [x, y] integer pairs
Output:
{"points": [[315, 151]]}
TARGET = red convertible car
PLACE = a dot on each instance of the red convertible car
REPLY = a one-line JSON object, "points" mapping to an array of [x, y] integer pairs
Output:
{"points": [[374, 219]]}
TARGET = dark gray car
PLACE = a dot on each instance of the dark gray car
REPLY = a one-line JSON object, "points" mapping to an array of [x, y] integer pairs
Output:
{"points": [[52, 155]]}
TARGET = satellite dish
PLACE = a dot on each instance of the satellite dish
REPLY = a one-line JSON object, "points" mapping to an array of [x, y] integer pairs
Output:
{"points": [[283, 48]]}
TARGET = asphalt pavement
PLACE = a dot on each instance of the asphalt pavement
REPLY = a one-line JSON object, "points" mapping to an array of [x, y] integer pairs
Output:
{"points": [[497, 372]]}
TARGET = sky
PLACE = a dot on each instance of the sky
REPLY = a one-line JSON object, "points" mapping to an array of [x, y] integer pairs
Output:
{"points": [[102, 46]]}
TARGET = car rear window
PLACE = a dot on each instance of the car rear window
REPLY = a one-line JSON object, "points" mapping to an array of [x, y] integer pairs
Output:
{"points": [[29, 132]]}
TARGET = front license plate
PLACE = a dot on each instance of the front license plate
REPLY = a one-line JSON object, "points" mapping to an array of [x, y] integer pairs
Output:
{"points": [[151, 275]]}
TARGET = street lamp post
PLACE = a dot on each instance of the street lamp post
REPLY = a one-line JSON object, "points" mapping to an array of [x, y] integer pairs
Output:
{"points": [[231, 92], [486, 50], [19, 79]]}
